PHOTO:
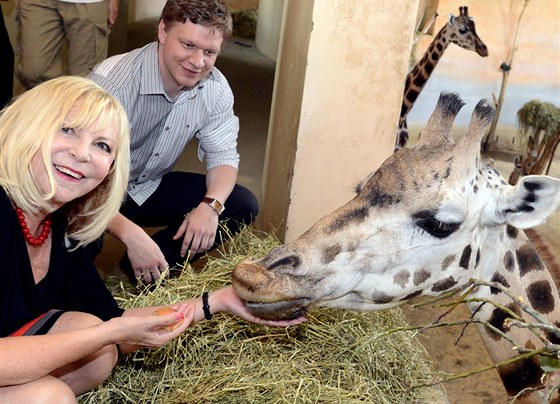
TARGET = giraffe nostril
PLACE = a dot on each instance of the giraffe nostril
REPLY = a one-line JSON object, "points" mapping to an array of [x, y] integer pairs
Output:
{"points": [[290, 260]]}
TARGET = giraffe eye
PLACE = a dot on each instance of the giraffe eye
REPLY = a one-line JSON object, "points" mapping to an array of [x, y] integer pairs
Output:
{"points": [[437, 228], [462, 31]]}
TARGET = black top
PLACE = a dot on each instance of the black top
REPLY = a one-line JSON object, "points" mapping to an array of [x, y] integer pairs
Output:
{"points": [[71, 284]]}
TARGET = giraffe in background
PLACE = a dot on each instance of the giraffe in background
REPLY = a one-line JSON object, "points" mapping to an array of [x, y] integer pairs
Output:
{"points": [[460, 31], [429, 220]]}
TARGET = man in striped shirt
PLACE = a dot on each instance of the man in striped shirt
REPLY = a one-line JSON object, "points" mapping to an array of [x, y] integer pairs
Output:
{"points": [[173, 93]]}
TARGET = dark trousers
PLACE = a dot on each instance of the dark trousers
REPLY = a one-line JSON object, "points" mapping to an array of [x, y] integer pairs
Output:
{"points": [[7, 82], [178, 194]]}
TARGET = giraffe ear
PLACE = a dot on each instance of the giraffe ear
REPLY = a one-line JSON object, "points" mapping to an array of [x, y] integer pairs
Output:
{"points": [[531, 201]]}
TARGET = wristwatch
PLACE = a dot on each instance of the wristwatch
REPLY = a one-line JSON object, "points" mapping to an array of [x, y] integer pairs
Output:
{"points": [[215, 204]]}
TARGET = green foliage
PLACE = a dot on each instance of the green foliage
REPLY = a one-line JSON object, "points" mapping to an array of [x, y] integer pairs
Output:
{"points": [[537, 116]]}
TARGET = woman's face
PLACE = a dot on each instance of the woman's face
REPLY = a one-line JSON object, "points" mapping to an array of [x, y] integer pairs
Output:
{"points": [[81, 159]]}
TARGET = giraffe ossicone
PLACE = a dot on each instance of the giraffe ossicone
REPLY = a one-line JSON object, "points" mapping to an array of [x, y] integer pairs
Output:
{"points": [[428, 221]]}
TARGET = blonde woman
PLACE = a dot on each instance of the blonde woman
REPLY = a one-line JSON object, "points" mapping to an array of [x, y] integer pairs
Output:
{"points": [[64, 165]]}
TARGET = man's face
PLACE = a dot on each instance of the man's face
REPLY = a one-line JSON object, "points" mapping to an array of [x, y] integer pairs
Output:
{"points": [[187, 53]]}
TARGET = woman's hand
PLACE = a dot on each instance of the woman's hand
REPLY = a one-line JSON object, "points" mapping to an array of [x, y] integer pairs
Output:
{"points": [[140, 329], [226, 300]]}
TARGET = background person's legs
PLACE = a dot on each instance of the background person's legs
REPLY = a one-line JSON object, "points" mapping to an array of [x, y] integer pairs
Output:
{"points": [[39, 44], [7, 82], [87, 33]]}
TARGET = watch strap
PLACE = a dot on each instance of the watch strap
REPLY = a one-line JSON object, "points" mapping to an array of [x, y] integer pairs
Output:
{"points": [[216, 205]]}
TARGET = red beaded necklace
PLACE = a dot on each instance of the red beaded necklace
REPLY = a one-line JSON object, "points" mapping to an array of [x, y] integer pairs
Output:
{"points": [[34, 241]]}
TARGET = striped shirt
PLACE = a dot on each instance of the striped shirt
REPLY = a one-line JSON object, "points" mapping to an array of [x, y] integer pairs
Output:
{"points": [[160, 126]]}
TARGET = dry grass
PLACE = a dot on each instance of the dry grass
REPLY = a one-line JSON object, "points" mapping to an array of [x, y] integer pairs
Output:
{"points": [[336, 356]]}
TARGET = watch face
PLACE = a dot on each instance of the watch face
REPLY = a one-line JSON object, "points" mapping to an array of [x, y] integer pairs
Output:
{"points": [[214, 204], [218, 206]]}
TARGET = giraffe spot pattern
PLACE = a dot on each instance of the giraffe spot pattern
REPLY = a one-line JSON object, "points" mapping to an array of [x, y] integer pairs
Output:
{"points": [[381, 298], [465, 257], [499, 279], [521, 374], [497, 320], [381, 199], [477, 259], [352, 246], [412, 295], [447, 261], [421, 277], [528, 260], [509, 261], [348, 218], [401, 278], [330, 253], [429, 69], [540, 296], [552, 337], [412, 95], [444, 284], [418, 81], [512, 232]]}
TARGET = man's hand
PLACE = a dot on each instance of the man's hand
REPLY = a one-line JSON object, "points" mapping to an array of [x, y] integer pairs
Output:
{"points": [[199, 229]]}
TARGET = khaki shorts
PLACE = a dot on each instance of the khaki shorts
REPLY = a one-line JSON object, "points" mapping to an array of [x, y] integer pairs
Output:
{"points": [[45, 25]]}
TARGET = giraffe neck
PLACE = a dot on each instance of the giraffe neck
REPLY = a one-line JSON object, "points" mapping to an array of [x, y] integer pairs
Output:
{"points": [[419, 75], [515, 264]]}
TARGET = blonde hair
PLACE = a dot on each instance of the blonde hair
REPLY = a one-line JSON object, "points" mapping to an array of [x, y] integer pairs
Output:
{"points": [[28, 126]]}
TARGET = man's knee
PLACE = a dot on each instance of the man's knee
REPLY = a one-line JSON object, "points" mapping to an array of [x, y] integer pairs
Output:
{"points": [[247, 203]]}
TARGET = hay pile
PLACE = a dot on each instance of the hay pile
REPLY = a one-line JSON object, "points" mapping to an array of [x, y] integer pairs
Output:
{"points": [[336, 356]]}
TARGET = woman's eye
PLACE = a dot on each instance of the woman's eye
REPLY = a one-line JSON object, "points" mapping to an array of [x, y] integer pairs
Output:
{"points": [[69, 131], [438, 228], [104, 146]]}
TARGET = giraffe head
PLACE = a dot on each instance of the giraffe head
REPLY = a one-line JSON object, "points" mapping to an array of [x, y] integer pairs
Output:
{"points": [[462, 32], [419, 225]]}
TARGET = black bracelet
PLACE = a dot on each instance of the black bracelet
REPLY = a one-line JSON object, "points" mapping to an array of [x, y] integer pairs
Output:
{"points": [[206, 306]]}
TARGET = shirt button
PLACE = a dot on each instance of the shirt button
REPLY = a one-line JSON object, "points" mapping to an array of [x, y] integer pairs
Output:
{"points": [[167, 128]]}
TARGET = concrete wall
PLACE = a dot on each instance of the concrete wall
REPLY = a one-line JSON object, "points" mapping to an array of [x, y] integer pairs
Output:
{"points": [[141, 9], [269, 26], [337, 95]]}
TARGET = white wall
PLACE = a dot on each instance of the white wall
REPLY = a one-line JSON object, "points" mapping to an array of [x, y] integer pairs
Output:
{"points": [[269, 24], [142, 9]]}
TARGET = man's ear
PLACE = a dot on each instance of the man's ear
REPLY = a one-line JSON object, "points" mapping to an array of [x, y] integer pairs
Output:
{"points": [[530, 202], [161, 32]]}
